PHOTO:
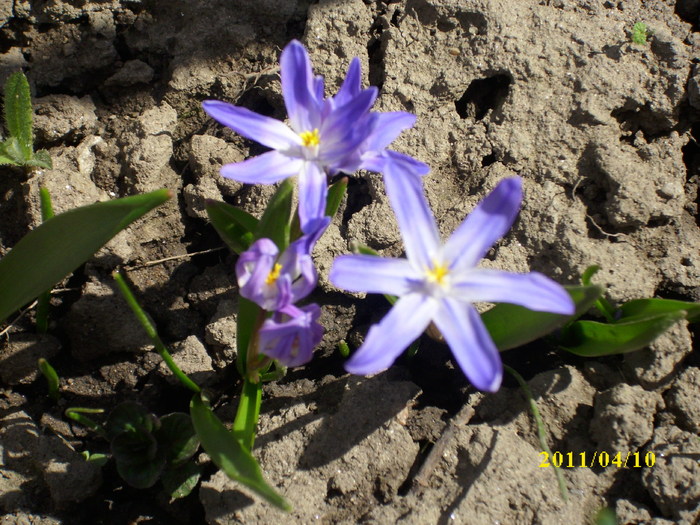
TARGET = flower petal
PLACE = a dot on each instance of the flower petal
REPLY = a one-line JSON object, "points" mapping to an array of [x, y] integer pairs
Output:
{"points": [[367, 273], [267, 168], [387, 127], [385, 341], [291, 335], [470, 343], [265, 130], [531, 290], [416, 221], [313, 190], [346, 128], [298, 88], [351, 85], [489, 221], [377, 161]]}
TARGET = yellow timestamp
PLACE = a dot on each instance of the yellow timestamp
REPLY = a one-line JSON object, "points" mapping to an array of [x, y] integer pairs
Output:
{"points": [[597, 459]]}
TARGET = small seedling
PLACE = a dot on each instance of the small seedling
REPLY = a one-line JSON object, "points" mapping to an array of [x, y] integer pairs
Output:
{"points": [[640, 33], [18, 148], [146, 448], [51, 376]]}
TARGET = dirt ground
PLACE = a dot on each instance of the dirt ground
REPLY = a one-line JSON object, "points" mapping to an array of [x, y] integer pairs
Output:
{"points": [[604, 133]]}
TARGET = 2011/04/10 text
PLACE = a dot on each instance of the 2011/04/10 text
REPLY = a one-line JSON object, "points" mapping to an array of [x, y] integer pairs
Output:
{"points": [[601, 459]]}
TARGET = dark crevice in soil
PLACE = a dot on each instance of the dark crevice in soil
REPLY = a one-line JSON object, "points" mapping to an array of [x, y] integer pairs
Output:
{"points": [[482, 95], [633, 117], [691, 159], [357, 197]]}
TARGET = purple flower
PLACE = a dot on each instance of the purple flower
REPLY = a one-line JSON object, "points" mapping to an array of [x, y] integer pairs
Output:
{"points": [[326, 135], [439, 282], [291, 334], [274, 282]]}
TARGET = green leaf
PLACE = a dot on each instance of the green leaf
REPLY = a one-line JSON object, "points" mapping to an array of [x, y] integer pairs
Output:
{"points": [[128, 416], [228, 454], [53, 250], [652, 307], [177, 438], [180, 481], [602, 305], [5, 157], [136, 447], [246, 422], [40, 159], [511, 326], [335, 196], [18, 113], [141, 475], [12, 150], [275, 222], [594, 339], [233, 225]]}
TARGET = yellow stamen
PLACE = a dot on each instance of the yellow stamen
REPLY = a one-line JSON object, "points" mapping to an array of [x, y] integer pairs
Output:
{"points": [[274, 274], [310, 138], [437, 273]]}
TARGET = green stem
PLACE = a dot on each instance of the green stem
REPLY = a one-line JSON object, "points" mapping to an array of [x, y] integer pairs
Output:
{"points": [[541, 431], [150, 328], [248, 413]]}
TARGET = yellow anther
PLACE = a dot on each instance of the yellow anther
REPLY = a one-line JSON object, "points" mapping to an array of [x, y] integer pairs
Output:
{"points": [[437, 273], [274, 274], [310, 138]]}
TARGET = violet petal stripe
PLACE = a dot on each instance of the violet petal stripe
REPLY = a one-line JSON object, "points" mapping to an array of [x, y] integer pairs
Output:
{"points": [[265, 130], [313, 189], [371, 274], [404, 323], [298, 88], [490, 220], [267, 168], [351, 85], [416, 221], [470, 343], [531, 290], [388, 126]]}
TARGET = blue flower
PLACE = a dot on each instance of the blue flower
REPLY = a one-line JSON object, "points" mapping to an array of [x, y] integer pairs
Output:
{"points": [[291, 334], [439, 283], [325, 136]]}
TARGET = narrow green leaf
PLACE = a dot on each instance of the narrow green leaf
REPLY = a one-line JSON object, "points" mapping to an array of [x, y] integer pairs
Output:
{"points": [[76, 414], [336, 192], [652, 307], [44, 299], [233, 225], [228, 454], [177, 438], [53, 250], [51, 376], [147, 323], [511, 326], [275, 222], [246, 422], [593, 339], [248, 314], [18, 113]]}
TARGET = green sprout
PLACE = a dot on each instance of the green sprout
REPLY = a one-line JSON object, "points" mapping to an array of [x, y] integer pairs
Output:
{"points": [[640, 33], [18, 148]]}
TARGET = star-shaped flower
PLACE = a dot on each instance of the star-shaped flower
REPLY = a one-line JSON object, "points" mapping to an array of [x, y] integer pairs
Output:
{"points": [[439, 283]]}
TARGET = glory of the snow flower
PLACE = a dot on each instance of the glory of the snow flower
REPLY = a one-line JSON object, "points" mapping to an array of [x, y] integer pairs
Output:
{"points": [[291, 334], [325, 136], [439, 283]]}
